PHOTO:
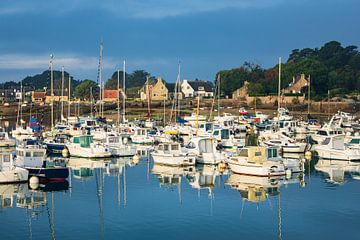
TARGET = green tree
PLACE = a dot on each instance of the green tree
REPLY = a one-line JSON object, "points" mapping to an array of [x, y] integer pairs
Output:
{"points": [[82, 91]]}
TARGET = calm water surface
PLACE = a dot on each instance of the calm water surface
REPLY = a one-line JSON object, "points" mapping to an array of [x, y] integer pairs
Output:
{"points": [[118, 199]]}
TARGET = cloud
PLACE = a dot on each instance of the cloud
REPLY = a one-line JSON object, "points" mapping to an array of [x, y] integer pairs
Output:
{"points": [[18, 61], [140, 9]]}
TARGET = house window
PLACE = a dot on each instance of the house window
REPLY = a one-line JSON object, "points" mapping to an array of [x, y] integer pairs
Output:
{"points": [[187, 87], [201, 88]]}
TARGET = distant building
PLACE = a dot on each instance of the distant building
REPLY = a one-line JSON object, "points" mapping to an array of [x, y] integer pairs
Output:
{"points": [[111, 95], [7, 95], [196, 88], [38, 97], [57, 95], [171, 91], [241, 93], [298, 85], [155, 90]]}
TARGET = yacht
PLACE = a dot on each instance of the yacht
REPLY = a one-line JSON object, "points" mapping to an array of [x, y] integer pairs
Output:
{"points": [[173, 154], [83, 146], [31, 155], [206, 150], [9, 172], [254, 161], [334, 148], [284, 142], [283, 115], [57, 144]]}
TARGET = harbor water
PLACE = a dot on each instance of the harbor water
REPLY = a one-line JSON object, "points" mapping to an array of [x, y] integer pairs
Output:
{"points": [[127, 199]]}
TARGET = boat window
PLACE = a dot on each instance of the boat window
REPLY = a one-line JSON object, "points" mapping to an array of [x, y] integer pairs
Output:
{"points": [[208, 126], [174, 147], [225, 134], [257, 154], [38, 154], [191, 145], [355, 141], [6, 158], [322, 133], [326, 141], [161, 147], [166, 147], [28, 154], [272, 152], [216, 133], [139, 131], [243, 153]]}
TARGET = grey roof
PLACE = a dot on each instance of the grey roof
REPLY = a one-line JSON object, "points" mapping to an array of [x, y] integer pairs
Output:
{"points": [[208, 87], [170, 87]]}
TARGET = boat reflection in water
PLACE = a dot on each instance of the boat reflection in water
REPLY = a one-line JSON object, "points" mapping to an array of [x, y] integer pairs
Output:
{"points": [[171, 175], [337, 170]]}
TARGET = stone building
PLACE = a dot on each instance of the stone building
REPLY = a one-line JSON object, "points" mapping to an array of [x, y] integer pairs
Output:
{"points": [[298, 85]]}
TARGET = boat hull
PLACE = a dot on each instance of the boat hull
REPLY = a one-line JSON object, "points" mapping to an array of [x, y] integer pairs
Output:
{"points": [[268, 170], [50, 174], [174, 160], [13, 176]]}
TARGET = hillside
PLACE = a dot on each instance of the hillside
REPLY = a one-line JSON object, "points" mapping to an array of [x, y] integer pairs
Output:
{"points": [[331, 67]]}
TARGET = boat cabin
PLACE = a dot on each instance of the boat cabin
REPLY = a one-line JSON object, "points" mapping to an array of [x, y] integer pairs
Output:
{"points": [[6, 161], [84, 141], [169, 147]]}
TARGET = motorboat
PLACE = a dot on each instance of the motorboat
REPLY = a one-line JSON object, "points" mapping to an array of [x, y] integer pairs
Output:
{"points": [[253, 160], [9, 172], [142, 136], [206, 150], [117, 147], [83, 146], [5, 140], [57, 144], [334, 148], [31, 155], [173, 154]]}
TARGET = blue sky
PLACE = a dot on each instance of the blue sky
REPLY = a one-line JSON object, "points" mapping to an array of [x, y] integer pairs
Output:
{"points": [[205, 35]]}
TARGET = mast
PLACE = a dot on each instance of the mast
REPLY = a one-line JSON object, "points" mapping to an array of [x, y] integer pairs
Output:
{"points": [[62, 93], [124, 92], [219, 94], [309, 96], [164, 120], [101, 110], [118, 97], [52, 90], [179, 89], [197, 116], [69, 97], [279, 86], [148, 97], [91, 102]]}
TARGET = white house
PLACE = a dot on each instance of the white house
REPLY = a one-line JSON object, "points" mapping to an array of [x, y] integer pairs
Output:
{"points": [[197, 88]]}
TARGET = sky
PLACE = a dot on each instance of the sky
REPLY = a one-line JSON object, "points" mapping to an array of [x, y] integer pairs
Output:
{"points": [[204, 35]]}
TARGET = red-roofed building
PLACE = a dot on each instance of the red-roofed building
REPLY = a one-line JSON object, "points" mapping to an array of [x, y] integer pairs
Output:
{"points": [[38, 97], [110, 95]]}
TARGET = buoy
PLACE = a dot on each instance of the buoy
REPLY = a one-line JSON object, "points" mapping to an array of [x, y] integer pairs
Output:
{"points": [[288, 173], [34, 182], [221, 166], [136, 158], [65, 152], [308, 155]]}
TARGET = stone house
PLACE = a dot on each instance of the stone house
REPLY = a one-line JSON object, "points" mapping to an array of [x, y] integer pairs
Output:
{"points": [[57, 95], [241, 93], [155, 90], [298, 85]]}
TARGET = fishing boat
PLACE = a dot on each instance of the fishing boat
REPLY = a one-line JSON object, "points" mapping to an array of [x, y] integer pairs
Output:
{"points": [[31, 155], [5, 140], [254, 161], [57, 144], [9, 172], [206, 150], [173, 154], [117, 147], [334, 148], [83, 146]]}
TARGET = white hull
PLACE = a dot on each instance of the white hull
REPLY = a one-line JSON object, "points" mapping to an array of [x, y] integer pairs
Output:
{"points": [[298, 148], [7, 143], [333, 154], [268, 169], [122, 151], [92, 152], [210, 158], [174, 160], [15, 175]]}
